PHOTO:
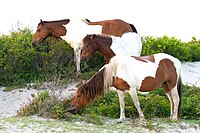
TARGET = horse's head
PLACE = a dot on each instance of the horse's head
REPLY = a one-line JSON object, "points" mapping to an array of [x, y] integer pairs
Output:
{"points": [[94, 43], [41, 33], [80, 100], [49, 28], [89, 47]]}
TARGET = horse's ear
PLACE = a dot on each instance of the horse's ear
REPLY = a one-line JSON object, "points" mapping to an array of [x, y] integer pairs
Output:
{"points": [[84, 82], [41, 21], [84, 85], [92, 36]]}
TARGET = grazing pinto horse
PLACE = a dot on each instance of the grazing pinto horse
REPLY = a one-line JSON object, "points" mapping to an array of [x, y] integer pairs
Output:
{"points": [[132, 74], [73, 31], [129, 44]]}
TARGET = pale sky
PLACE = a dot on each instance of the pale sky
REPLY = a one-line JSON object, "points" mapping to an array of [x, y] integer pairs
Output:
{"points": [[177, 18]]}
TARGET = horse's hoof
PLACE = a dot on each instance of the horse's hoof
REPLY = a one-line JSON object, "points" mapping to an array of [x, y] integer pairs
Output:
{"points": [[121, 120]]}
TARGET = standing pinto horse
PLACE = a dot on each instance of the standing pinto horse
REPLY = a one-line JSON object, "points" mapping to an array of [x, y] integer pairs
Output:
{"points": [[132, 74], [129, 44], [73, 31]]}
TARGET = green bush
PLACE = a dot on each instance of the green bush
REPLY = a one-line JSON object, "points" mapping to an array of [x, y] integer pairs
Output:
{"points": [[21, 63], [183, 51], [154, 104], [191, 102]]}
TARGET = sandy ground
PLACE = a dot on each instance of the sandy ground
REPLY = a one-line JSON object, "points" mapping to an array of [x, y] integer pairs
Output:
{"points": [[10, 102]]}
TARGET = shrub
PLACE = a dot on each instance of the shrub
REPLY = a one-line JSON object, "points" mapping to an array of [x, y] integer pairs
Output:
{"points": [[191, 102], [181, 50], [21, 63]]}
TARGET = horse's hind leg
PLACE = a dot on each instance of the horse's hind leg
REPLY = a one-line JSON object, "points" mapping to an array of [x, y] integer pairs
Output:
{"points": [[171, 104], [176, 100], [122, 104], [168, 93], [134, 97]]}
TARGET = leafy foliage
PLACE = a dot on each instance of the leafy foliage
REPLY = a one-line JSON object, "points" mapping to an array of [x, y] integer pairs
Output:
{"points": [[153, 105], [22, 63], [183, 51]]}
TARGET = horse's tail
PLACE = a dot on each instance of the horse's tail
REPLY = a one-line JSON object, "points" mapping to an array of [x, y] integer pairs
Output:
{"points": [[110, 74], [133, 28], [179, 87], [87, 21]]}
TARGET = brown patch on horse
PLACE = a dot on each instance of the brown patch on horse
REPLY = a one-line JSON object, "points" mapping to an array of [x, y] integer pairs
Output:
{"points": [[115, 27], [145, 58], [121, 84], [93, 43], [165, 76]]}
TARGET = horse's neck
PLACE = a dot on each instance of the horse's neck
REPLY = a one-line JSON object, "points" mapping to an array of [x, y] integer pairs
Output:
{"points": [[77, 30], [105, 49]]}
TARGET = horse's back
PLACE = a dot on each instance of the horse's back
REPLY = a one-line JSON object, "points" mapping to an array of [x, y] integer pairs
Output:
{"points": [[176, 62], [134, 70], [77, 29], [116, 27], [161, 56], [129, 44]]}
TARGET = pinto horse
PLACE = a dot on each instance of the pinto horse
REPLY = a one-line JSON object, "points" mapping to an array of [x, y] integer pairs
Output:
{"points": [[73, 31], [132, 74], [129, 44]]}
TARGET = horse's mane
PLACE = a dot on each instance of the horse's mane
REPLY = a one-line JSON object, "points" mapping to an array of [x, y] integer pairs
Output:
{"points": [[99, 84], [95, 86], [63, 21], [87, 39]]}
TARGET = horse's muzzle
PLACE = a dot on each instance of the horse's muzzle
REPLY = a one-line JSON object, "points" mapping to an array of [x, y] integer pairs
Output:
{"points": [[34, 43], [73, 110], [84, 58]]}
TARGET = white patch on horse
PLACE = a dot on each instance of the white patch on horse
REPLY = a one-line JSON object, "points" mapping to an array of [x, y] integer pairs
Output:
{"points": [[129, 44], [136, 77], [77, 29]]}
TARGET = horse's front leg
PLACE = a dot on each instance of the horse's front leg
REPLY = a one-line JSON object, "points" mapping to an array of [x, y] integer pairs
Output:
{"points": [[134, 97], [122, 104], [77, 53]]}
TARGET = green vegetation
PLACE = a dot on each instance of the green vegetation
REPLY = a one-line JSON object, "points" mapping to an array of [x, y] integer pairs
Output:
{"points": [[21, 63], [154, 104], [189, 51]]}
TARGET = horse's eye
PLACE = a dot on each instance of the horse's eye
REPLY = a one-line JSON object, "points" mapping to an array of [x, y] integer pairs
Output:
{"points": [[38, 30], [87, 46]]}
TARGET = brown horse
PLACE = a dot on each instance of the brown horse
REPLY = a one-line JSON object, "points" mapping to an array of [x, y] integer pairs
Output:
{"points": [[73, 31], [132, 74], [129, 44], [118, 27]]}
